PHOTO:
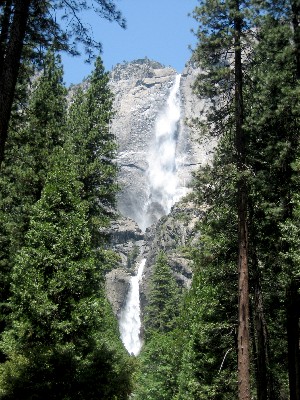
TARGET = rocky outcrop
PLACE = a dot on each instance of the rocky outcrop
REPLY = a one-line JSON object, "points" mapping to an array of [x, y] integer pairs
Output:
{"points": [[140, 89], [172, 235], [127, 240], [192, 150]]}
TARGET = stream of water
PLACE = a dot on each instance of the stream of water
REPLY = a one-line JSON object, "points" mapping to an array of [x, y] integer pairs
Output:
{"points": [[162, 173], [130, 321], [164, 192]]}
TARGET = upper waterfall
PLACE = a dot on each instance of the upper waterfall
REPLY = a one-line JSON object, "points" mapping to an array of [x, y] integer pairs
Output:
{"points": [[162, 168]]}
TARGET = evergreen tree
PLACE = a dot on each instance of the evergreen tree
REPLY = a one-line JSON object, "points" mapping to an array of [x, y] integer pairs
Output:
{"points": [[273, 125], [36, 130], [160, 312], [34, 22], [221, 31], [60, 344], [88, 123], [207, 323], [156, 377]]}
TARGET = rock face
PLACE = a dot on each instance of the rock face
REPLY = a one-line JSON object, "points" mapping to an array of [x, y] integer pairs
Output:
{"points": [[171, 235], [127, 241], [142, 90]]}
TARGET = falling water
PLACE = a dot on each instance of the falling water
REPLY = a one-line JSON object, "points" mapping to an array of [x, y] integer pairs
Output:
{"points": [[130, 321], [163, 193], [162, 165], [162, 171]]}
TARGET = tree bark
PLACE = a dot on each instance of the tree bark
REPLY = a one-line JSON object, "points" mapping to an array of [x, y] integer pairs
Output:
{"points": [[293, 298], [264, 379], [293, 304], [4, 31], [11, 58], [243, 282]]}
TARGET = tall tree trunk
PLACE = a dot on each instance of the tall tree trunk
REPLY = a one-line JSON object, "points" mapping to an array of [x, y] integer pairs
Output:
{"points": [[4, 31], [264, 378], [243, 282], [260, 342], [11, 57], [292, 298], [293, 304]]}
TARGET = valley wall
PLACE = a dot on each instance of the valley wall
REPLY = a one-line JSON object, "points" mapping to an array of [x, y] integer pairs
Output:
{"points": [[141, 89]]}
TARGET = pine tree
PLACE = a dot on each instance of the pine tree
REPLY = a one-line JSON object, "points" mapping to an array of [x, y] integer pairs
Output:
{"points": [[207, 323], [156, 376], [221, 32], [34, 22], [273, 125], [160, 312], [89, 124], [36, 130], [60, 344]]}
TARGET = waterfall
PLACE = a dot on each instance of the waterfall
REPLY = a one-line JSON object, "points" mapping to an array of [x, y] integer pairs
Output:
{"points": [[130, 321], [162, 168], [164, 191]]}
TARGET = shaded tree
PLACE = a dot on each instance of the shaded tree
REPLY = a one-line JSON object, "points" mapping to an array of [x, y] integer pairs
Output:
{"points": [[160, 312], [273, 126], [34, 23], [89, 125], [63, 342], [36, 129], [221, 26]]}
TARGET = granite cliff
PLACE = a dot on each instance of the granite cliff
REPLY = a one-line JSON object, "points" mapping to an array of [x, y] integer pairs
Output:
{"points": [[142, 90]]}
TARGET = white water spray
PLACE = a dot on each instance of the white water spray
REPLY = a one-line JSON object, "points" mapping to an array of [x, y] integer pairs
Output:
{"points": [[162, 162], [130, 320]]}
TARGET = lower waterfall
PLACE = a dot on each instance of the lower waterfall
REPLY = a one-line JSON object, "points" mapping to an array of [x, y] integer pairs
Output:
{"points": [[130, 320], [163, 193]]}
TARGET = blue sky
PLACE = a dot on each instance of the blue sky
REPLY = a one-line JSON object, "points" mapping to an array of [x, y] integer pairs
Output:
{"points": [[158, 29]]}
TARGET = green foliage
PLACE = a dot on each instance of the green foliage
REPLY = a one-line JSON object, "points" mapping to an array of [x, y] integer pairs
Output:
{"points": [[88, 124], [272, 124], [59, 335], [207, 322], [61, 339], [160, 312], [35, 131], [273, 127], [214, 55], [156, 376]]}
